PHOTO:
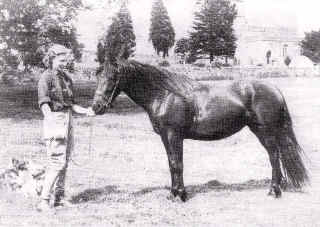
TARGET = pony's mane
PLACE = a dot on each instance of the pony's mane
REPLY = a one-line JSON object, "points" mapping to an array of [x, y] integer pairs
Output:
{"points": [[176, 83]]}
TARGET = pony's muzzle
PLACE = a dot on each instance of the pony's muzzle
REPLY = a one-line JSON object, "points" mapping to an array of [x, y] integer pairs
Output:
{"points": [[99, 107]]}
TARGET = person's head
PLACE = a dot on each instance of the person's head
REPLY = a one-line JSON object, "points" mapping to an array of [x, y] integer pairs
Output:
{"points": [[60, 57]]}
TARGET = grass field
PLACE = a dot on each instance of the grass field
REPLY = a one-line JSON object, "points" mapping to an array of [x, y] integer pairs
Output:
{"points": [[119, 176]]}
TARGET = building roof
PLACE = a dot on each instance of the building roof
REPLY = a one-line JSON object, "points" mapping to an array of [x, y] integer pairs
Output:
{"points": [[301, 62]]}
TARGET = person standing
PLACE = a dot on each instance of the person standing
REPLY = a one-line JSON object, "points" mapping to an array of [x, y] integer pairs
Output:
{"points": [[56, 101]]}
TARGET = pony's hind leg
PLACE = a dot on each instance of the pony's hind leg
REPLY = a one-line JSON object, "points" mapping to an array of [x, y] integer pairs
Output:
{"points": [[270, 121], [269, 140]]}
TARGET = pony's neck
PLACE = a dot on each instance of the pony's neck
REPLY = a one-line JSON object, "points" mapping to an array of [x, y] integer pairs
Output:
{"points": [[141, 91], [145, 83]]}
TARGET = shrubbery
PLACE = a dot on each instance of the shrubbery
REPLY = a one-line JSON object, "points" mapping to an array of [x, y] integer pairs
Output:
{"points": [[164, 63]]}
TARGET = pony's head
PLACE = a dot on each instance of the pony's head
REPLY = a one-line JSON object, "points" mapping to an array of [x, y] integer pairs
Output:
{"points": [[108, 86]]}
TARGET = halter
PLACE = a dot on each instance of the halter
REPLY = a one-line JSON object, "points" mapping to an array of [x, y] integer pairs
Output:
{"points": [[112, 94]]}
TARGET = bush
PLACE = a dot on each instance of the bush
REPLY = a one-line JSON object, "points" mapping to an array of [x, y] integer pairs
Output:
{"points": [[11, 77], [226, 65], [164, 63], [191, 59], [287, 61], [199, 64]]}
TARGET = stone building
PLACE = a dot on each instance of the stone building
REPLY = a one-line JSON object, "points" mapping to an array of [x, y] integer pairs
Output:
{"points": [[265, 37]]}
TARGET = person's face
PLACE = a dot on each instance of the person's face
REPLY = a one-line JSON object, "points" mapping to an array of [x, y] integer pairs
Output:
{"points": [[63, 60]]}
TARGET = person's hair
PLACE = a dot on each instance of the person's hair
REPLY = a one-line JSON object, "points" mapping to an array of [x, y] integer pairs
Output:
{"points": [[52, 52]]}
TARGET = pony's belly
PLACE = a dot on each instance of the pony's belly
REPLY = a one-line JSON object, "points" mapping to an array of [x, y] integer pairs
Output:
{"points": [[218, 115], [214, 130]]}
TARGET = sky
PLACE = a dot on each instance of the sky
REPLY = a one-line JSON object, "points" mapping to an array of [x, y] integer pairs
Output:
{"points": [[306, 12], [302, 15]]}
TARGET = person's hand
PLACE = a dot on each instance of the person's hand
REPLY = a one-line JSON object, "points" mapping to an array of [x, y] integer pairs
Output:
{"points": [[90, 112]]}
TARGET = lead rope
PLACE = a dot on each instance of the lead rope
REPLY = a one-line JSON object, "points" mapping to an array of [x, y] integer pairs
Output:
{"points": [[90, 143], [92, 178], [91, 133]]}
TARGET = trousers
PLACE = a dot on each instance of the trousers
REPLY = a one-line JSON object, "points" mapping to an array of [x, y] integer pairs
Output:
{"points": [[58, 151]]}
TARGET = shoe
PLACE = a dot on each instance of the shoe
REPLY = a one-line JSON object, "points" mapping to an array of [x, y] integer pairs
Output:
{"points": [[62, 203], [39, 190], [43, 205]]}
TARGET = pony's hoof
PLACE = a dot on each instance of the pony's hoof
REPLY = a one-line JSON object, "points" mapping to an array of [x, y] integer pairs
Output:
{"points": [[182, 194], [275, 191], [284, 185]]}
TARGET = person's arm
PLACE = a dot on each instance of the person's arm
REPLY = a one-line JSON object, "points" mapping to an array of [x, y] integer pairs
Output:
{"points": [[81, 110], [46, 110], [43, 95], [77, 108]]}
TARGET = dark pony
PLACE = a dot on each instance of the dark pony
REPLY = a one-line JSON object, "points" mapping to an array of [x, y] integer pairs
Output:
{"points": [[180, 108]]}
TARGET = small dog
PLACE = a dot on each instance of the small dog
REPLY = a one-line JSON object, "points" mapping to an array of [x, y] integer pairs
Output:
{"points": [[23, 176]]}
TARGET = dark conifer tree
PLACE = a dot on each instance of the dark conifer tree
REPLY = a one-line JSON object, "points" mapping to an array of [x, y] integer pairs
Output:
{"points": [[161, 32], [120, 36], [310, 46], [182, 48], [213, 32], [101, 52]]}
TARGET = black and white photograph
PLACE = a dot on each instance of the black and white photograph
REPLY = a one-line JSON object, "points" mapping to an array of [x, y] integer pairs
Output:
{"points": [[159, 113]]}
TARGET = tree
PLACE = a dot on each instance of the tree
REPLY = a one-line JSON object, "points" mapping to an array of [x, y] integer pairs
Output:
{"points": [[310, 46], [101, 52], [27, 27], [161, 32], [120, 36], [213, 32], [182, 48], [287, 61]]}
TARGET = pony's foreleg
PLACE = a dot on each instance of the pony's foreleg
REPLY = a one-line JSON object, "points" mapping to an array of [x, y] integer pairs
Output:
{"points": [[173, 143]]}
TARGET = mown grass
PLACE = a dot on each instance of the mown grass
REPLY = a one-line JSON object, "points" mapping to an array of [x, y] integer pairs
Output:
{"points": [[124, 179]]}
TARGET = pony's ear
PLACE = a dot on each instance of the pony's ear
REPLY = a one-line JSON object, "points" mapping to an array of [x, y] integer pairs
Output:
{"points": [[119, 57], [23, 165], [14, 162]]}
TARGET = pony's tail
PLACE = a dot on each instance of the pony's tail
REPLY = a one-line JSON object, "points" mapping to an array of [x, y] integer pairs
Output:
{"points": [[291, 153]]}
